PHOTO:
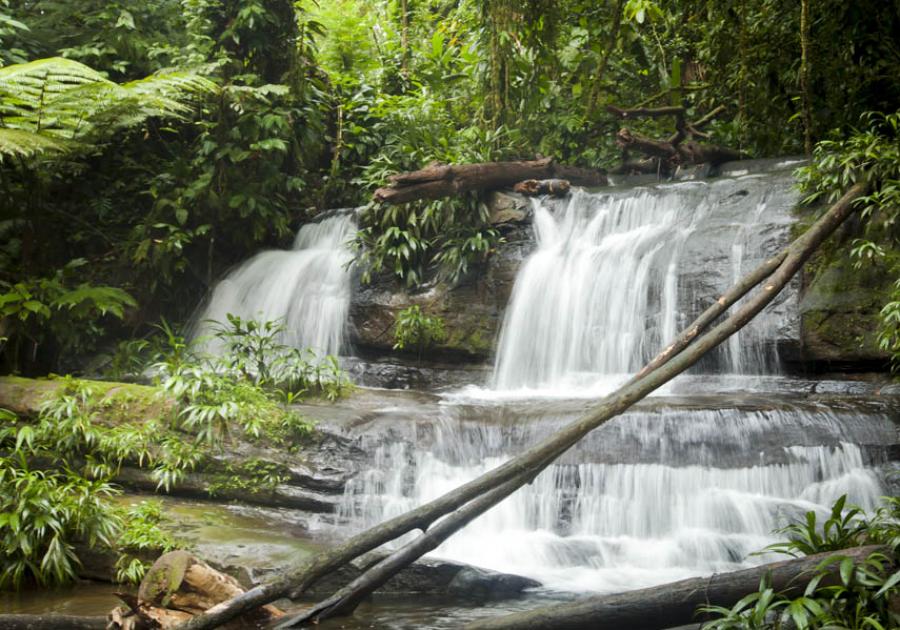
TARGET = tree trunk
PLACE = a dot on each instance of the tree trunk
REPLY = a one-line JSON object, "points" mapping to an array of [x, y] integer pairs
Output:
{"points": [[177, 587], [805, 88], [493, 486], [673, 604], [444, 180]]}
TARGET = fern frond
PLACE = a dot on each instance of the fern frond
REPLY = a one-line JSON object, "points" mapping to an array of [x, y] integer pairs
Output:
{"points": [[25, 144], [59, 100]]}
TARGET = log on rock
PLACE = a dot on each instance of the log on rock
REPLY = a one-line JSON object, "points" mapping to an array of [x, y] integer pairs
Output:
{"points": [[674, 604], [177, 587], [534, 187], [52, 622], [444, 180], [676, 153]]}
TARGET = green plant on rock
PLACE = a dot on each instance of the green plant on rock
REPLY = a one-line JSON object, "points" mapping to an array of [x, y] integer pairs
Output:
{"points": [[413, 329], [42, 514], [254, 475], [870, 155], [859, 599], [145, 531], [248, 385]]}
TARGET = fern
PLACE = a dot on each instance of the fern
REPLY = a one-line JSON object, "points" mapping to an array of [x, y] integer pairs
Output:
{"points": [[58, 105]]}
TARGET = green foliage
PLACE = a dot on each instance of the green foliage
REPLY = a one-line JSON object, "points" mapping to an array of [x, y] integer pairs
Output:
{"points": [[42, 513], [869, 155], [60, 105], [144, 531], [415, 329], [253, 475], [52, 310], [860, 599], [842, 529], [412, 239], [248, 384]]}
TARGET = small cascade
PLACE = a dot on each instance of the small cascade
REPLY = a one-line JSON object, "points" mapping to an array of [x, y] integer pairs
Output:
{"points": [[652, 497], [307, 288], [616, 275]]}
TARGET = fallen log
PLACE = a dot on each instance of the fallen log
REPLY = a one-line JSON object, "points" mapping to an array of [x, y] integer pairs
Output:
{"points": [[52, 622], [177, 587], [534, 187], [680, 149], [493, 486], [444, 180], [676, 603], [676, 153]]}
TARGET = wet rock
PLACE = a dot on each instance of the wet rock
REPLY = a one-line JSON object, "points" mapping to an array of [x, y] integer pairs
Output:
{"points": [[480, 584], [890, 390], [840, 309], [507, 207], [199, 485], [432, 576]]}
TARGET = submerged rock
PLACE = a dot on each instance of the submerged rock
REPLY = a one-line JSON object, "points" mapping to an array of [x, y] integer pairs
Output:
{"points": [[432, 576]]}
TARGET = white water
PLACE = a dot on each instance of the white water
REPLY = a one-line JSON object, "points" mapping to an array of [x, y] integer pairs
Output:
{"points": [[306, 288], [606, 287], [653, 496]]}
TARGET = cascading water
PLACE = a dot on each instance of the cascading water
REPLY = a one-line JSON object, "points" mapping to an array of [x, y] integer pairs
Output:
{"points": [[306, 288], [659, 494], [615, 275], [680, 489]]}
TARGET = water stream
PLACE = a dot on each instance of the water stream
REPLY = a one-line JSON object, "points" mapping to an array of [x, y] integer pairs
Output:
{"points": [[307, 288], [690, 482], [654, 496]]}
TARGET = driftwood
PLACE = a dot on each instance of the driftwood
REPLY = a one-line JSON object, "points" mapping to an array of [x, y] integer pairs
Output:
{"points": [[177, 587], [534, 187], [676, 603], [680, 149], [461, 505], [444, 180]]}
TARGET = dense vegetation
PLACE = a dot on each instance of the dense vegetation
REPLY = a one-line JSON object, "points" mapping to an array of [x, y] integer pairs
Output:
{"points": [[58, 481], [860, 598], [147, 146]]}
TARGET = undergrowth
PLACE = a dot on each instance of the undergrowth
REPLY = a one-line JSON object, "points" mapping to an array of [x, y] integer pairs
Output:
{"points": [[859, 597], [56, 485]]}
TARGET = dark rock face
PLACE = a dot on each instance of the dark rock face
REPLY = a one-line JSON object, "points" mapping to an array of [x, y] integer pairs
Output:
{"points": [[840, 311], [472, 310]]}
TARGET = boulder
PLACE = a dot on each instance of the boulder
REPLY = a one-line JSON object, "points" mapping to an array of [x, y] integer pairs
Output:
{"points": [[839, 310]]}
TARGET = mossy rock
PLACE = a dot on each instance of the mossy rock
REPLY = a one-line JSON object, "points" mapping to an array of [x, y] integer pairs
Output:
{"points": [[118, 402]]}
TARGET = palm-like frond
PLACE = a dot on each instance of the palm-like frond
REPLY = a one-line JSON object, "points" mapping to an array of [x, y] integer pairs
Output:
{"points": [[25, 144], [52, 105]]}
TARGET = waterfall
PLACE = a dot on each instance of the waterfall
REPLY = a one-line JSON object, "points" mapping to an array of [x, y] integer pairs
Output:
{"points": [[654, 496], [615, 275], [681, 486], [307, 288]]}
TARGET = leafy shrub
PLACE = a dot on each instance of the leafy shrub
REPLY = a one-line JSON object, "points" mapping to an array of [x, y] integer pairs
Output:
{"points": [[871, 155], [56, 310], [143, 532], [861, 598], [42, 514], [415, 329]]}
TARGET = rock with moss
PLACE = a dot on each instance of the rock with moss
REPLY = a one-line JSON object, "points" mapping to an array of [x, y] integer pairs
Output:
{"points": [[839, 309]]}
